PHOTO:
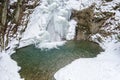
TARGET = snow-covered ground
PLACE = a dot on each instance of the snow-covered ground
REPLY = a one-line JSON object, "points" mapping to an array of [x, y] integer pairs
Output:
{"points": [[9, 69], [106, 66]]}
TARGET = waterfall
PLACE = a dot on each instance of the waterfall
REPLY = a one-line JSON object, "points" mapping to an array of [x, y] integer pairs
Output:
{"points": [[49, 22], [57, 23]]}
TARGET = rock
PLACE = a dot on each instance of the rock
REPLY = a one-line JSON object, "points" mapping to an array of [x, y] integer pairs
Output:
{"points": [[87, 23], [108, 0]]}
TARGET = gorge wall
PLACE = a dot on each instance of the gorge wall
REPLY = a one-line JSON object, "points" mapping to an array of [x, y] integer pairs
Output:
{"points": [[87, 22]]}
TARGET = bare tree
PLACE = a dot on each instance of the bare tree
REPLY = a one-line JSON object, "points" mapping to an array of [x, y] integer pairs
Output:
{"points": [[11, 17]]}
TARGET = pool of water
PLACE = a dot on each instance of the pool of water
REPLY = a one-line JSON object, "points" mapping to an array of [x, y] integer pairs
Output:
{"points": [[40, 64]]}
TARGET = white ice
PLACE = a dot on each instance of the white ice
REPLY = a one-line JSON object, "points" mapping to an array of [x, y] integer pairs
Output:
{"points": [[50, 21]]}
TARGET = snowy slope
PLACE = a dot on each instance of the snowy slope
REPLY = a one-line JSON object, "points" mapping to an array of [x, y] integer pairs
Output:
{"points": [[106, 66], [8, 68]]}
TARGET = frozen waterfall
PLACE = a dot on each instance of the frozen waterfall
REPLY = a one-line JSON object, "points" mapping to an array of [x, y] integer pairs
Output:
{"points": [[48, 23]]}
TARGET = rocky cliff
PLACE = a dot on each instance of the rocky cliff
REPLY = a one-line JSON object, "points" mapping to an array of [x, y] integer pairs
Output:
{"points": [[92, 20]]}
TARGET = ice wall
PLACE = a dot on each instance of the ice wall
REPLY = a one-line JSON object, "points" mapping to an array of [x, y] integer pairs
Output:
{"points": [[49, 22]]}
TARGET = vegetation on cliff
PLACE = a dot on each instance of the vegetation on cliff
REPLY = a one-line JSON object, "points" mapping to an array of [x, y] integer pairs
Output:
{"points": [[13, 19]]}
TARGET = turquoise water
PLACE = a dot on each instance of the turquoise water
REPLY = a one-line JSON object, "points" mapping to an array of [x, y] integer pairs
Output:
{"points": [[39, 64]]}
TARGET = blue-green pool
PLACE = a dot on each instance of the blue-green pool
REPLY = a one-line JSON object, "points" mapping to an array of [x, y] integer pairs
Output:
{"points": [[40, 64]]}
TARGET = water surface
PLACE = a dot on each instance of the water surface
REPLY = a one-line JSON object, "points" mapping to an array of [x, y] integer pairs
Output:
{"points": [[39, 64]]}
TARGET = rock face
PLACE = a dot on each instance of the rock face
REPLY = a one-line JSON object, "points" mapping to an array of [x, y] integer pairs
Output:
{"points": [[87, 23]]}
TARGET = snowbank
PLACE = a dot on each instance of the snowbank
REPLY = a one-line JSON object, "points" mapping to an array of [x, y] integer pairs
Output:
{"points": [[106, 66], [8, 68]]}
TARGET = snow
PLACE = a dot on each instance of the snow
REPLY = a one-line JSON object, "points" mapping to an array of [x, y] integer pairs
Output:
{"points": [[106, 66], [8, 68], [79, 4], [12, 1]]}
